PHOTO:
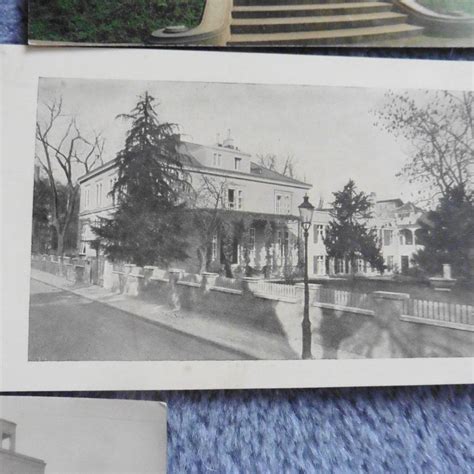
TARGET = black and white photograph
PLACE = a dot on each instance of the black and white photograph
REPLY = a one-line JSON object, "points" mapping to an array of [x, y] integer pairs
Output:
{"points": [[206, 221], [47, 435], [188, 228]]}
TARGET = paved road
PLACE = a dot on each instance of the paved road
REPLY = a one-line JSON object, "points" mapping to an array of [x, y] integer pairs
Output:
{"points": [[65, 326]]}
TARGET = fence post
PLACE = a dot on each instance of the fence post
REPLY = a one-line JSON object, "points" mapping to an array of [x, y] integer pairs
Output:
{"points": [[87, 272], [128, 269], [208, 280], [147, 274], [248, 285], [108, 275], [389, 306], [174, 276], [313, 292], [79, 273], [133, 278]]}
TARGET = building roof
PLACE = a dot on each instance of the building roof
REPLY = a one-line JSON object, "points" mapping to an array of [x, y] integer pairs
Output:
{"points": [[255, 169], [260, 170], [408, 206], [188, 160]]}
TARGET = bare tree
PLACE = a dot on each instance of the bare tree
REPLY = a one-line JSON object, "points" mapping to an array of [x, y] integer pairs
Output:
{"points": [[285, 166], [439, 128], [63, 152], [289, 166], [268, 161], [206, 202]]}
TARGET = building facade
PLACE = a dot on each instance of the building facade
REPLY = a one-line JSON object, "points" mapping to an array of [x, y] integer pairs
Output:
{"points": [[12, 462], [396, 225], [225, 178]]}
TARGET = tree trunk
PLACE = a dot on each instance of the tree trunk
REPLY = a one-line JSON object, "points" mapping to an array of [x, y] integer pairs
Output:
{"points": [[202, 257], [60, 243]]}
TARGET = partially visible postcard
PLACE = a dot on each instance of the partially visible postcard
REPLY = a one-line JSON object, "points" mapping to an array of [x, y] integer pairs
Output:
{"points": [[81, 435], [215, 220], [253, 23]]}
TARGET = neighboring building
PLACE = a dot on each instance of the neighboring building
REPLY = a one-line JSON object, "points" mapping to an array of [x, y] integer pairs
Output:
{"points": [[12, 462], [267, 201], [397, 227]]}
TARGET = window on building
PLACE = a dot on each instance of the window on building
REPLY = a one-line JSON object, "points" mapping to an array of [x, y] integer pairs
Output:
{"points": [[235, 255], [284, 240], [217, 161], [237, 163], [287, 204], [235, 198], [278, 203], [406, 237], [405, 263], [387, 237], [282, 203], [98, 191], [318, 233], [252, 238], [390, 263], [319, 265], [231, 198], [214, 247], [418, 236]]}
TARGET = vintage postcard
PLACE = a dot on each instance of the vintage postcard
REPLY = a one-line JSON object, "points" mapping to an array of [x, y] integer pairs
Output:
{"points": [[48, 435], [228, 220], [254, 23]]}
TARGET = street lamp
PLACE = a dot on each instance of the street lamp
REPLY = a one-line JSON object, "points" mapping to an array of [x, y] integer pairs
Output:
{"points": [[306, 216]]}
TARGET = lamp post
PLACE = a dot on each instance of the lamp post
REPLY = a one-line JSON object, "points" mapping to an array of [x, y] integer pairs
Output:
{"points": [[306, 216]]}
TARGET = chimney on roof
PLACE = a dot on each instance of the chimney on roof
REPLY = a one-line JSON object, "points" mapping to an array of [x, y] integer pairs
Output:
{"points": [[229, 141]]}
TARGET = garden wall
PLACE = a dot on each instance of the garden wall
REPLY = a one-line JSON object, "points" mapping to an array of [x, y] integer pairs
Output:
{"points": [[385, 334], [371, 327], [336, 330], [75, 270]]}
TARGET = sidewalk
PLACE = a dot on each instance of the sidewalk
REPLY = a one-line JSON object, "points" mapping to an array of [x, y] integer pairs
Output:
{"points": [[254, 343]]}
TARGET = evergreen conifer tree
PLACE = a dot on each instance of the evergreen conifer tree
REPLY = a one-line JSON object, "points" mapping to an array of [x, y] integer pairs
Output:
{"points": [[447, 234], [147, 226], [348, 237]]}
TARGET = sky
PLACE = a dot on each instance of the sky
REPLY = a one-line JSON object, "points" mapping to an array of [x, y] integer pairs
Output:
{"points": [[330, 131], [88, 436]]}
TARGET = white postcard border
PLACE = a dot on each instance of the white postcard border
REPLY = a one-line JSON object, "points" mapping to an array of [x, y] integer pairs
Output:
{"points": [[20, 69]]}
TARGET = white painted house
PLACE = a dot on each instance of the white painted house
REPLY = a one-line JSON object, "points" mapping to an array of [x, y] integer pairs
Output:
{"points": [[397, 228], [248, 191]]}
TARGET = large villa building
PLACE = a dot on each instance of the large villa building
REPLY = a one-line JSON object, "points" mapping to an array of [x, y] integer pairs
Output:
{"points": [[268, 203], [264, 199], [396, 225]]}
